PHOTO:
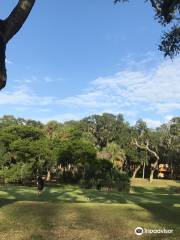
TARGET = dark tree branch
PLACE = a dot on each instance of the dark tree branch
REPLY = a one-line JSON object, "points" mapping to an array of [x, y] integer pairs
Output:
{"points": [[154, 5], [8, 28], [170, 42], [167, 10], [17, 18]]}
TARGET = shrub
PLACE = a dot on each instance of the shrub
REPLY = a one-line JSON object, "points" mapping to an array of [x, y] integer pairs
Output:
{"points": [[108, 176], [122, 181], [17, 173], [87, 183]]}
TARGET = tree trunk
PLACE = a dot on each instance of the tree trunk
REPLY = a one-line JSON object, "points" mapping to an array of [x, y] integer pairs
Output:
{"points": [[154, 167], [144, 166], [48, 178], [135, 171], [151, 175], [60, 167], [171, 171], [84, 173]]}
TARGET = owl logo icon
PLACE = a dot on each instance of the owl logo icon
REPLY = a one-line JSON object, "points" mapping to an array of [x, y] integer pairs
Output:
{"points": [[139, 231]]}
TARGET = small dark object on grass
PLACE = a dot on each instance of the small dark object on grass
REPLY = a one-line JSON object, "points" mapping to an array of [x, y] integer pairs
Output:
{"points": [[40, 185]]}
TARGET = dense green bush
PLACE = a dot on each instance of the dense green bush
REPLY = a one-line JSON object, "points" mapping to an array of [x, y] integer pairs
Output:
{"points": [[17, 173], [103, 175], [122, 182]]}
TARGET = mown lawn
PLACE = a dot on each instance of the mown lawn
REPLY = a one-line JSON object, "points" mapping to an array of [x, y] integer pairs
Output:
{"points": [[72, 213]]}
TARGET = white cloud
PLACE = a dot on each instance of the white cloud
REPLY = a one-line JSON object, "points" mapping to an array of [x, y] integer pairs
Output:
{"points": [[60, 117], [27, 81], [23, 96], [152, 123], [167, 118], [48, 79], [136, 91], [8, 61], [157, 90]]}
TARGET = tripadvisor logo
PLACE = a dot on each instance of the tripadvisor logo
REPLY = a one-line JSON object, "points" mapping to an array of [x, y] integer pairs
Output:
{"points": [[139, 231]]}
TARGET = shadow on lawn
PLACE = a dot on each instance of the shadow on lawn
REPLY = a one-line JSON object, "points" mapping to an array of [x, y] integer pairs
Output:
{"points": [[159, 202], [31, 220], [60, 194], [156, 190]]}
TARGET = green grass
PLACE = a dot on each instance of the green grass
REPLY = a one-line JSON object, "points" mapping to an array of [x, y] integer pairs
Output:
{"points": [[70, 213]]}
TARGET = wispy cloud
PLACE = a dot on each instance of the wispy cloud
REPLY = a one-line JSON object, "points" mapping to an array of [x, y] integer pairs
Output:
{"points": [[60, 117], [152, 123], [24, 96], [134, 91], [8, 61], [137, 91], [48, 79], [157, 90]]}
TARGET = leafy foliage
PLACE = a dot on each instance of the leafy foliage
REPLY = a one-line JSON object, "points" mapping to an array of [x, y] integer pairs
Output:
{"points": [[95, 152]]}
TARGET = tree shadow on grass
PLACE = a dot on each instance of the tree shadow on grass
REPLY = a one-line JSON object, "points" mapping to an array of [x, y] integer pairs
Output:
{"points": [[30, 220], [60, 194], [158, 190], [159, 202]]}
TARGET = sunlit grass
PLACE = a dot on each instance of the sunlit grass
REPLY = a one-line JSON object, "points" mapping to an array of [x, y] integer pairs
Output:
{"points": [[69, 212]]}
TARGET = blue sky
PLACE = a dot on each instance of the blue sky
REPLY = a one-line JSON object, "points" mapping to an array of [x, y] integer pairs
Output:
{"points": [[76, 58]]}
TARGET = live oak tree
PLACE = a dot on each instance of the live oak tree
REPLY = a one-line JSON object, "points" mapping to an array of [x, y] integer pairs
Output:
{"points": [[102, 127], [167, 13], [170, 145], [148, 141], [17, 151], [8, 28], [146, 147], [138, 154]]}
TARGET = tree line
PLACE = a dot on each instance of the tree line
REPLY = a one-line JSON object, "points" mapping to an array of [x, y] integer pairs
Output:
{"points": [[97, 151]]}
